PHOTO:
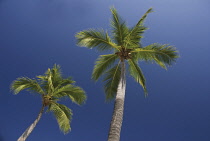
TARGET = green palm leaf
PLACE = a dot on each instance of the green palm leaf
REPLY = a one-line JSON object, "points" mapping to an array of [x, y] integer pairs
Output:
{"points": [[103, 63], [56, 83], [63, 82], [141, 21], [161, 54], [26, 83], [112, 79], [63, 116], [53, 79], [133, 38], [95, 39], [76, 94], [50, 83], [135, 34], [120, 30], [137, 74], [56, 72], [50, 76], [57, 79]]}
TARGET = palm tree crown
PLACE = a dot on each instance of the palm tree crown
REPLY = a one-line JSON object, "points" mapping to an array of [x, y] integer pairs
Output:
{"points": [[52, 86], [126, 47]]}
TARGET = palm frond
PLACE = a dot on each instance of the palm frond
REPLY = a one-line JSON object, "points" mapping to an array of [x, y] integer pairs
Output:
{"points": [[135, 34], [141, 21], [64, 81], [98, 39], [53, 79], [50, 83], [56, 72], [56, 75], [57, 83], [75, 93], [119, 27], [111, 79], [62, 114], [103, 63], [137, 74], [26, 83], [46, 81], [161, 54]]}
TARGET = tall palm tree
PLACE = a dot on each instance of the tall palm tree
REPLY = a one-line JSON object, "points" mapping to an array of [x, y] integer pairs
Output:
{"points": [[126, 50], [51, 87]]}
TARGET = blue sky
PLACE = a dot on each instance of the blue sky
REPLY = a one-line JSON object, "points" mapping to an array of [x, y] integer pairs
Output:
{"points": [[35, 34]]}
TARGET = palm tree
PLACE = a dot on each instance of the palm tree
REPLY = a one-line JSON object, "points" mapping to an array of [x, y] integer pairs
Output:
{"points": [[51, 86], [126, 50]]}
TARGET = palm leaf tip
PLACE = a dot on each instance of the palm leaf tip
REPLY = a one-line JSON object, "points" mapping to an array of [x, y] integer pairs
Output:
{"points": [[82, 40], [119, 27], [137, 74], [75, 93], [63, 116], [145, 91], [134, 35], [92, 38], [171, 54], [150, 10], [23, 83], [163, 55], [78, 96]]}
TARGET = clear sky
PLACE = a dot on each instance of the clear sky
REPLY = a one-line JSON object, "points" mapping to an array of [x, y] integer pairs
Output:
{"points": [[35, 34]]}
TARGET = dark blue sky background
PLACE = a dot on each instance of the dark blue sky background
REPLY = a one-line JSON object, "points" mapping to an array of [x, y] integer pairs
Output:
{"points": [[35, 34]]}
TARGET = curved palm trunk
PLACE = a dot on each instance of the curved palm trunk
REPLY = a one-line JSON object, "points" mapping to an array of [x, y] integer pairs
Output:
{"points": [[117, 116], [31, 127]]}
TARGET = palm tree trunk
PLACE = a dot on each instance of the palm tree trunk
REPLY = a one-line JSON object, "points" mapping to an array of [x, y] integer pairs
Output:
{"points": [[117, 116], [31, 127]]}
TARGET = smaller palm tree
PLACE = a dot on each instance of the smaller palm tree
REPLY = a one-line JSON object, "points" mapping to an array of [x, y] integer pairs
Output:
{"points": [[51, 86]]}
